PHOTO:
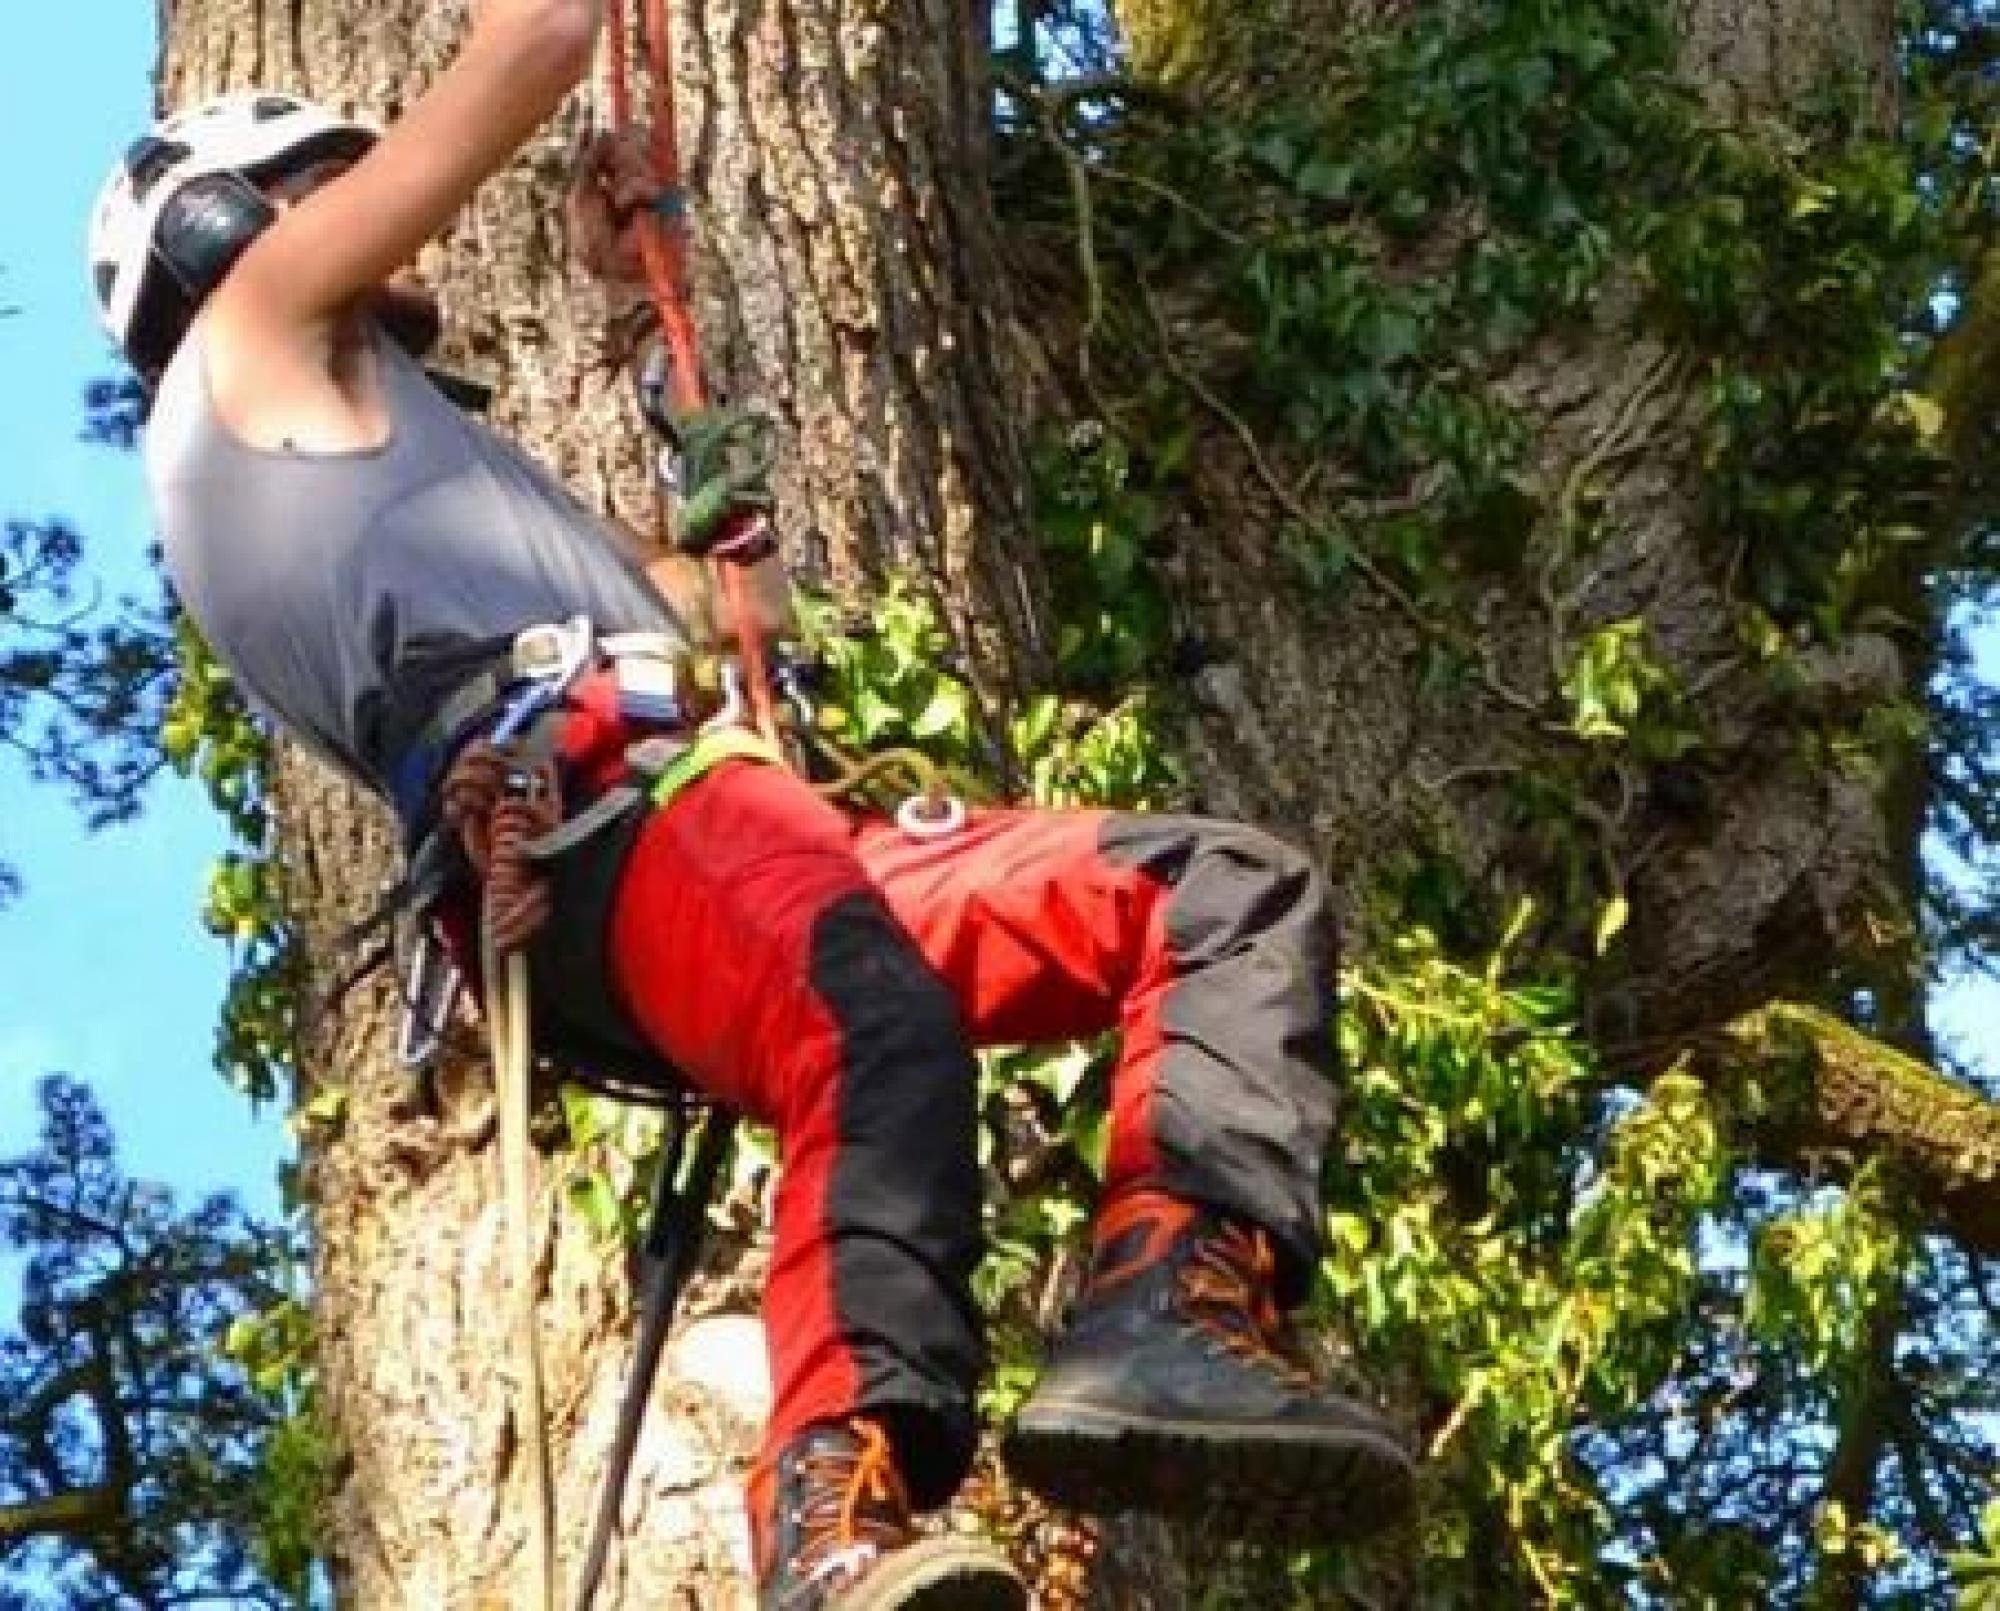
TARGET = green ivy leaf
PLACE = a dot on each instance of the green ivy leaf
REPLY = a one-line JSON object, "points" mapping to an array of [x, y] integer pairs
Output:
{"points": [[594, 1198], [1924, 413], [1276, 151], [1324, 180], [949, 711]]}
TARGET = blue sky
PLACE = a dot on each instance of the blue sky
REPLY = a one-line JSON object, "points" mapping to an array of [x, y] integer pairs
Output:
{"points": [[104, 971]]}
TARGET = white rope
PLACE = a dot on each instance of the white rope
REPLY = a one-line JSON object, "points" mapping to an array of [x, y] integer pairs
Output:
{"points": [[508, 1035]]}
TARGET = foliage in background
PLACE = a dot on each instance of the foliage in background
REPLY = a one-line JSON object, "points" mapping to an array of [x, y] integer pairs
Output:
{"points": [[1350, 290], [1629, 1352], [136, 1461], [82, 680], [209, 734], [1643, 1363], [1962, 899]]}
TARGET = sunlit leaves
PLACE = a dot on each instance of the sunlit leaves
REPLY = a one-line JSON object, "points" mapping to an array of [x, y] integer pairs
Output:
{"points": [[1977, 1572], [1618, 692], [1533, 1286], [896, 681], [1816, 1273], [208, 733]]}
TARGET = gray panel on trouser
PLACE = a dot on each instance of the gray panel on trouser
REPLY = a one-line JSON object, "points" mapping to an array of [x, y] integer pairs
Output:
{"points": [[1244, 1099]]}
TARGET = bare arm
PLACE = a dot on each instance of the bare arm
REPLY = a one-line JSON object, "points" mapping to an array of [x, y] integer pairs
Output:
{"points": [[518, 62]]}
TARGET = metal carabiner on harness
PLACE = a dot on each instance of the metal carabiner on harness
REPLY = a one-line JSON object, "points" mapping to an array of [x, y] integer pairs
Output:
{"points": [[653, 385], [431, 987], [715, 463], [547, 659], [735, 707]]}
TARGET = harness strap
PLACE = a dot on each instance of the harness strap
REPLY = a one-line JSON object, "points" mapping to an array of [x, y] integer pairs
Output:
{"points": [[706, 753], [664, 767], [658, 679], [608, 809]]}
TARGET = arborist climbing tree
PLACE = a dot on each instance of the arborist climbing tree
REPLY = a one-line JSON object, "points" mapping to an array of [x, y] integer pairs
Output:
{"points": [[599, 822]]}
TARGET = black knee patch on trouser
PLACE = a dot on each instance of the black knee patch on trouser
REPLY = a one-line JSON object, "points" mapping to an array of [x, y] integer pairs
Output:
{"points": [[902, 1211]]}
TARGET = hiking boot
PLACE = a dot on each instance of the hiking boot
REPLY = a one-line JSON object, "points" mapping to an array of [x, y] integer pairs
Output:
{"points": [[1175, 1389], [831, 1531]]}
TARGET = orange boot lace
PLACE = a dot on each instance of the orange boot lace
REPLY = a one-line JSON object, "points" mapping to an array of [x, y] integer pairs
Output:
{"points": [[1228, 1287], [850, 1506]]}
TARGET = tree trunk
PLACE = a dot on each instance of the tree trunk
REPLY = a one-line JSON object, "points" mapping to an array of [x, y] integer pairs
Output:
{"points": [[852, 281], [856, 290], [850, 288]]}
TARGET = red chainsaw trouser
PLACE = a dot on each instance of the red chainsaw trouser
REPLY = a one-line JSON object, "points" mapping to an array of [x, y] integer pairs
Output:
{"points": [[829, 976]]}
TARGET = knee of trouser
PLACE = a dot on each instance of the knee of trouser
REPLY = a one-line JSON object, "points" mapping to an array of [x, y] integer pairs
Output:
{"points": [[900, 1082], [1290, 868], [1280, 884]]}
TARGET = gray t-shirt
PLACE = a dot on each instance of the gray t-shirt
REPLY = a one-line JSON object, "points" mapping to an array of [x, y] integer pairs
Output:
{"points": [[347, 592]]}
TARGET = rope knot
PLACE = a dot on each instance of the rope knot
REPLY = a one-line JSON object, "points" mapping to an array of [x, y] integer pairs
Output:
{"points": [[498, 805]]}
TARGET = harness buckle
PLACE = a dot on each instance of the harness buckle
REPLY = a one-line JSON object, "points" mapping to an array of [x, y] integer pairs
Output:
{"points": [[553, 650], [547, 657], [649, 691]]}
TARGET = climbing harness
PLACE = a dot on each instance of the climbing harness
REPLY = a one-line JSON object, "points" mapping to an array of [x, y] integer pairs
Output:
{"points": [[627, 719]]}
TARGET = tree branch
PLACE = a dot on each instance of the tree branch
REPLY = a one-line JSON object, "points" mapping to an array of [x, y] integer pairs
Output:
{"points": [[77, 1513], [1809, 1085], [1964, 375]]}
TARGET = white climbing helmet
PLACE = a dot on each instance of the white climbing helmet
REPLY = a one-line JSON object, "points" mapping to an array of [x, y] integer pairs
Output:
{"points": [[184, 202]]}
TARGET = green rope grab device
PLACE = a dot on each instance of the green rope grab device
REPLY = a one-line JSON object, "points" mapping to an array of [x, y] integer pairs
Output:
{"points": [[726, 456]]}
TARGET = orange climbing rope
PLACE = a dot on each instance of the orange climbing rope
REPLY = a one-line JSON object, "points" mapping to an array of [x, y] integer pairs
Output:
{"points": [[663, 249]]}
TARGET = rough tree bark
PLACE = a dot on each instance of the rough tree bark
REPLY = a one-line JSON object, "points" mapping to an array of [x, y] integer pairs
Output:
{"points": [[852, 292], [854, 282]]}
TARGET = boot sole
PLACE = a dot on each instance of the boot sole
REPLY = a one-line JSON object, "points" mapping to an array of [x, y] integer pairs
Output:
{"points": [[937, 1574], [1296, 1485]]}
